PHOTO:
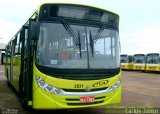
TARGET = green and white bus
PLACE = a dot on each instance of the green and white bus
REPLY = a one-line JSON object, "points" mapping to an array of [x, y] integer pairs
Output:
{"points": [[66, 56]]}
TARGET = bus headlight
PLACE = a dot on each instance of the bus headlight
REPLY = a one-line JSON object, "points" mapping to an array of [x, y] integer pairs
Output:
{"points": [[47, 87], [114, 87], [41, 83], [57, 91]]}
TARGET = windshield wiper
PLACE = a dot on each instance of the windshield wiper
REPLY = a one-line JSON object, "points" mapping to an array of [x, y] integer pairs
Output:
{"points": [[79, 39], [91, 43], [97, 36], [71, 33]]}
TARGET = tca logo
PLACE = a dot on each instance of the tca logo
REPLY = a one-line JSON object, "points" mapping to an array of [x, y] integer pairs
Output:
{"points": [[100, 83]]}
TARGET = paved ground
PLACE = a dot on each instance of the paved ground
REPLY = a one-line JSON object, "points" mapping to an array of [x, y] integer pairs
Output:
{"points": [[139, 89]]}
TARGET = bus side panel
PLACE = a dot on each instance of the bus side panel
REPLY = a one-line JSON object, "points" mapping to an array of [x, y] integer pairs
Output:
{"points": [[152, 67], [8, 66], [16, 71], [5, 68], [140, 67]]}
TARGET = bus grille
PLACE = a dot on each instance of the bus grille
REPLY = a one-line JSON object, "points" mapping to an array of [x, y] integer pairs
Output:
{"points": [[83, 90], [78, 104]]}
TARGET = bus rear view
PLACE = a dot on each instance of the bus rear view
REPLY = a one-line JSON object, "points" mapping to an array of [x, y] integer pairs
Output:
{"points": [[76, 59]]}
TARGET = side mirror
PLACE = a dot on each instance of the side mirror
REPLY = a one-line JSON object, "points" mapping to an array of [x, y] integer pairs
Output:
{"points": [[34, 29]]}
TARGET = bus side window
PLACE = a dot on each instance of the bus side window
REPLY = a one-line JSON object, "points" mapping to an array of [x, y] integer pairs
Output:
{"points": [[13, 47], [26, 36], [17, 44]]}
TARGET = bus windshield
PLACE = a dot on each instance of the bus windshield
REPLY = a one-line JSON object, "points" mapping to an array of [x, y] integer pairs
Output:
{"points": [[139, 59], [153, 59], [124, 59], [73, 46]]}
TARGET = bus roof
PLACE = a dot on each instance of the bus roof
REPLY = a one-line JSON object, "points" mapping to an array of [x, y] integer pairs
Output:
{"points": [[152, 54], [69, 3], [38, 10], [124, 55], [139, 54]]}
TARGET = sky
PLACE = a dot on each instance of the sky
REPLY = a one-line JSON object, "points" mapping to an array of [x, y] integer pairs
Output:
{"points": [[139, 27]]}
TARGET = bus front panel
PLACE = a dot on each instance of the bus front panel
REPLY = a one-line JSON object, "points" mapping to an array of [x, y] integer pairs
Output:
{"points": [[55, 93]]}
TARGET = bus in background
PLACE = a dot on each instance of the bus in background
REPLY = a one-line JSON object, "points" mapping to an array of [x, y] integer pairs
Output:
{"points": [[61, 60], [3, 58], [153, 62], [126, 62], [139, 62], [123, 59]]}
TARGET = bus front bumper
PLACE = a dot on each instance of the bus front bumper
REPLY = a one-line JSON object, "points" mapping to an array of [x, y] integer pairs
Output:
{"points": [[45, 100]]}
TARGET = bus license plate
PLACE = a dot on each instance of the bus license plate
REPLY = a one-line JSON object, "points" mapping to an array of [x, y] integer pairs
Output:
{"points": [[87, 99]]}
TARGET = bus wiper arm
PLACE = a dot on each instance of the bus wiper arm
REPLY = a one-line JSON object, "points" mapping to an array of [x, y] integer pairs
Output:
{"points": [[71, 33], [79, 39], [97, 36], [91, 43]]}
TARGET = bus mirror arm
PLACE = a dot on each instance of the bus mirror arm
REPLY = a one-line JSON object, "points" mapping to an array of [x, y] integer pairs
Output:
{"points": [[34, 30]]}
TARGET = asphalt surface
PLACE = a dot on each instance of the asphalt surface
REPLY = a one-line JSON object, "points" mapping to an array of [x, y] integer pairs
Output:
{"points": [[139, 90]]}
